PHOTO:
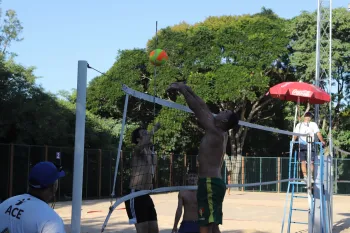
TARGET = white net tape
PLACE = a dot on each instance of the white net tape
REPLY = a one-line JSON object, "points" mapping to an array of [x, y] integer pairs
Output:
{"points": [[130, 92], [170, 104]]}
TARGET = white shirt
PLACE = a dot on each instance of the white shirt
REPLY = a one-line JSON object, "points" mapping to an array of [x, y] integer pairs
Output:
{"points": [[28, 214], [306, 128]]}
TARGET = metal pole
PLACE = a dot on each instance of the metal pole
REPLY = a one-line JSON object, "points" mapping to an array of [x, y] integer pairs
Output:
{"points": [[260, 175], [120, 142], [336, 175], [309, 185], [79, 146], [330, 113]]}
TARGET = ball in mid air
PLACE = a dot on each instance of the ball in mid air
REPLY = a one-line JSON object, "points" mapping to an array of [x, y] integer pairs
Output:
{"points": [[158, 57]]}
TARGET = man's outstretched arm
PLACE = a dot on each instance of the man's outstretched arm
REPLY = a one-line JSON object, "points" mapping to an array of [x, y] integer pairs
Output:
{"points": [[195, 103], [146, 139], [155, 129]]}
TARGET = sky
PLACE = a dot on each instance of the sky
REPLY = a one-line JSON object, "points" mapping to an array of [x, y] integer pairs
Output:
{"points": [[59, 33]]}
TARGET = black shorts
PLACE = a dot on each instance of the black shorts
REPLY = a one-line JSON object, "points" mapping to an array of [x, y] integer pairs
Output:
{"points": [[140, 209], [303, 153]]}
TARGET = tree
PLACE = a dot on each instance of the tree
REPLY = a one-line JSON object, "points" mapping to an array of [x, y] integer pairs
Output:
{"points": [[303, 43], [229, 61], [11, 29], [31, 116]]}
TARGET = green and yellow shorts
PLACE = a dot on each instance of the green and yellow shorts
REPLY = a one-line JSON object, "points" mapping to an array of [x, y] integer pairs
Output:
{"points": [[210, 195]]}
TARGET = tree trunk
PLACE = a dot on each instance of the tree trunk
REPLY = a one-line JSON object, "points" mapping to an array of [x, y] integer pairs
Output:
{"points": [[324, 124], [237, 140]]}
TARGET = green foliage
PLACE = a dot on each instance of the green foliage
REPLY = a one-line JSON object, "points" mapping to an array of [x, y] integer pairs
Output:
{"points": [[11, 29], [303, 43], [31, 116], [227, 60], [303, 57]]}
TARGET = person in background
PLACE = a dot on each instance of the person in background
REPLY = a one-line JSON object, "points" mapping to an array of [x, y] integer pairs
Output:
{"points": [[187, 199], [228, 167], [30, 212], [311, 128]]}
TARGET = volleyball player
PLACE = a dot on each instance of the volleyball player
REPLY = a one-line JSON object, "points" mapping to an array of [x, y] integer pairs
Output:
{"points": [[211, 186]]}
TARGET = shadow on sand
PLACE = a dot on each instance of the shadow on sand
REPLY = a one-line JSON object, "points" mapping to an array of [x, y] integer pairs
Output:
{"points": [[342, 225]]}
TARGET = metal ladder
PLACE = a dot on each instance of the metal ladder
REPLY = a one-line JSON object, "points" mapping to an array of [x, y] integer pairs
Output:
{"points": [[292, 187]]}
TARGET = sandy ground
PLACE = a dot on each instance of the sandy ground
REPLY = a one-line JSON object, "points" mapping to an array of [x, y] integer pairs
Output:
{"points": [[244, 212]]}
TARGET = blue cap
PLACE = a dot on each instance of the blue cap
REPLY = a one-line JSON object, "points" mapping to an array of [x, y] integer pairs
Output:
{"points": [[44, 174], [309, 114]]}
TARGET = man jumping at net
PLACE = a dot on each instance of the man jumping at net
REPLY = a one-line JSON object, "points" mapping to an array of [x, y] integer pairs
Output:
{"points": [[188, 200], [211, 186], [140, 210]]}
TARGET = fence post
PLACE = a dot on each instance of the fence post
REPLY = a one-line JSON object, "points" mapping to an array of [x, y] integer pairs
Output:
{"points": [[46, 153], [279, 174], [99, 173], [156, 175], [171, 169], [27, 180], [260, 172], [59, 182], [336, 175], [110, 172], [185, 169], [11, 170], [87, 174], [243, 178]]}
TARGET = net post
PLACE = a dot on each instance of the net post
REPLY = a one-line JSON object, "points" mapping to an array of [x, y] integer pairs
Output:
{"points": [[120, 142], [121, 173], [79, 147]]}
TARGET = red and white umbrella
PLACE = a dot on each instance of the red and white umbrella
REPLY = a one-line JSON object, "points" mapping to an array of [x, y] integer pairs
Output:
{"points": [[299, 92]]}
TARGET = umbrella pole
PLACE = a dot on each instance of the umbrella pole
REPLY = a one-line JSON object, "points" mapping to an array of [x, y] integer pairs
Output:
{"points": [[295, 115]]}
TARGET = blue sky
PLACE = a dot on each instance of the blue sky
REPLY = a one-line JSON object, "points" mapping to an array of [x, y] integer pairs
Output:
{"points": [[59, 33]]}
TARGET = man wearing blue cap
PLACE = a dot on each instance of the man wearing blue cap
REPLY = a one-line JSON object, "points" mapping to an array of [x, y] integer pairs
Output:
{"points": [[30, 212]]}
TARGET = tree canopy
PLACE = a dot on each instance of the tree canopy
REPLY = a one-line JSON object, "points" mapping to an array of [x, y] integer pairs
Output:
{"points": [[229, 61]]}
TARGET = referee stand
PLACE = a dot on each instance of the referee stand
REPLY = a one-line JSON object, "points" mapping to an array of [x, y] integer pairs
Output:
{"points": [[318, 193]]}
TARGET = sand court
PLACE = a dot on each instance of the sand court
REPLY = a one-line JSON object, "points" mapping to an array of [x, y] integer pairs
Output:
{"points": [[244, 212]]}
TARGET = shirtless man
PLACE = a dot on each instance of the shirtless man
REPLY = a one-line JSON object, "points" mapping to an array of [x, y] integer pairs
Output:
{"points": [[188, 200], [211, 187], [140, 210]]}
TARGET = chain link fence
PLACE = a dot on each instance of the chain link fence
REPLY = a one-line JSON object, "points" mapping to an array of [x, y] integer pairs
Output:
{"points": [[171, 170]]}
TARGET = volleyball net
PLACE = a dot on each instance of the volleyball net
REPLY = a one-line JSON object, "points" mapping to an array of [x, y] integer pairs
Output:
{"points": [[175, 144]]}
